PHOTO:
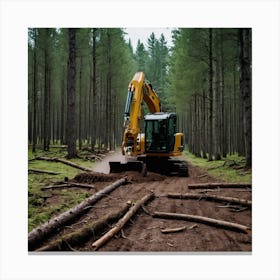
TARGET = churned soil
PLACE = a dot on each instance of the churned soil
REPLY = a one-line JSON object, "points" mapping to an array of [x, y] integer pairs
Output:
{"points": [[143, 232]]}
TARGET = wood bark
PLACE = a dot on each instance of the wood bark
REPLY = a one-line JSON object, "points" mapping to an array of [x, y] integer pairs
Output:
{"points": [[106, 237], [234, 200], [210, 117], [67, 162], [172, 230], [219, 185], [71, 88], [94, 90], [245, 88], [202, 219], [38, 234], [35, 89], [91, 230], [69, 185], [47, 120], [32, 170]]}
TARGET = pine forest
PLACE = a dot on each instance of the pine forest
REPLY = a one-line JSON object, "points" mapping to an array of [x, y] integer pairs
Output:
{"points": [[78, 79]]}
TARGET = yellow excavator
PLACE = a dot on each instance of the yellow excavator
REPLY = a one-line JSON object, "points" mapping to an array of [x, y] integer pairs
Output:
{"points": [[149, 146]]}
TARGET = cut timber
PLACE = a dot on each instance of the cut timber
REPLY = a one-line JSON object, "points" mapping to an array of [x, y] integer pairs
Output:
{"points": [[219, 185], [69, 185], [38, 234], [217, 198], [67, 162], [85, 233], [204, 220], [37, 171], [120, 224]]}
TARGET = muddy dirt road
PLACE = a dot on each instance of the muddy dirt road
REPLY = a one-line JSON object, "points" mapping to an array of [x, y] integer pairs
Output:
{"points": [[143, 233]]}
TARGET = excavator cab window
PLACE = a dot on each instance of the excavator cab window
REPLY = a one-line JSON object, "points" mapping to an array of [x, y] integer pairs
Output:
{"points": [[156, 136]]}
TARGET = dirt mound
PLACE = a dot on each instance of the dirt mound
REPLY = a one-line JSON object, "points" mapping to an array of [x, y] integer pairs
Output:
{"points": [[134, 176], [92, 177]]}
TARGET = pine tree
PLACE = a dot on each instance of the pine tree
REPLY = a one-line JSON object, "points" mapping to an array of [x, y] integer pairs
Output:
{"points": [[71, 91]]}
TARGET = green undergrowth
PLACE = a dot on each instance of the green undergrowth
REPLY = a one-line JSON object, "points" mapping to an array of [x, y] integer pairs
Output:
{"points": [[230, 169], [40, 209]]}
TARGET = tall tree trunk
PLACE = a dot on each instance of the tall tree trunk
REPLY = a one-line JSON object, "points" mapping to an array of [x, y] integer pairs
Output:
{"points": [[80, 105], [62, 113], [71, 81], [35, 89], [94, 113], [204, 155], [224, 122], [245, 88], [109, 94], [47, 93], [210, 74], [217, 122]]}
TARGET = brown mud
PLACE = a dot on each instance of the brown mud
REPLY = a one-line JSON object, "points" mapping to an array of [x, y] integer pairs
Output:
{"points": [[143, 232]]}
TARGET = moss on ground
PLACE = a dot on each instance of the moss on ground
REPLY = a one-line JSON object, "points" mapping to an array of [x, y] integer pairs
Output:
{"points": [[230, 169], [39, 210]]}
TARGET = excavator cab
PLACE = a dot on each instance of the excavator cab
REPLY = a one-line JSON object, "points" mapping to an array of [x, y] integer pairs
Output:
{"points": [[160, 130]]}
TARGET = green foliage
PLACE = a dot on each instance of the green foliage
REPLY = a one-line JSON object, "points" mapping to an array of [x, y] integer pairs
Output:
{"points": [[231, 169], [39, 211]]}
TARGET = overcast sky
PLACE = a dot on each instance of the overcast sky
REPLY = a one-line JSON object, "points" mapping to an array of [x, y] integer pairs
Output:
{"points": [[144, 33]]}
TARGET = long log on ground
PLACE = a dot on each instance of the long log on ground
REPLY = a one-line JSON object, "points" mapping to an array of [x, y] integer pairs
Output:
{"points": [[217, 198], [69, 185], [81, 236], [120, 224], [67, 162], [204, 220], [38, 234], [219, 185], [37, 171]]}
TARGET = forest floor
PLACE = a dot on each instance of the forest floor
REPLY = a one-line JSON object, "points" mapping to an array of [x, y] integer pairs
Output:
{"points": [[143, 232]]}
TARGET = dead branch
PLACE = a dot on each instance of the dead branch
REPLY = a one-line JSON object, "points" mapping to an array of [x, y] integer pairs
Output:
{"points": [[37, 171], [67, 162], [219, 185], [38, 234], [86, 232], [217, 198], [120, 224], [69, 185], [172, 230], [204, 220]]}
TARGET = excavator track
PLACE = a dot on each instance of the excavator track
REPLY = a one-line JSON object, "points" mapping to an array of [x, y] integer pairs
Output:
{"points": [[169, 167]]}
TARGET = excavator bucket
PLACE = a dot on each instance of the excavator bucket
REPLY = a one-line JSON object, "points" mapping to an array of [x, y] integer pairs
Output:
{"points": [[117, 167]]}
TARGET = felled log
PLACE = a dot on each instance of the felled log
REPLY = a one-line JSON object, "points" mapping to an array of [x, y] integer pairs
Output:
{"points": [[69, 185], [37, 171], [217, 198], [204, 220], [67, 162], [219, 185], [38, 234], [85, 233], [120, 224]]}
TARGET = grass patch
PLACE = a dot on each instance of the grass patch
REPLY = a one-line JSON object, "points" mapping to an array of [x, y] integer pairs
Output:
{"points": [[39, 211], [230, 169]]}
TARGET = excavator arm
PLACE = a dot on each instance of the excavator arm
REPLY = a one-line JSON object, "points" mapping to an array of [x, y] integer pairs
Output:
{"points": [[138, 91]]}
